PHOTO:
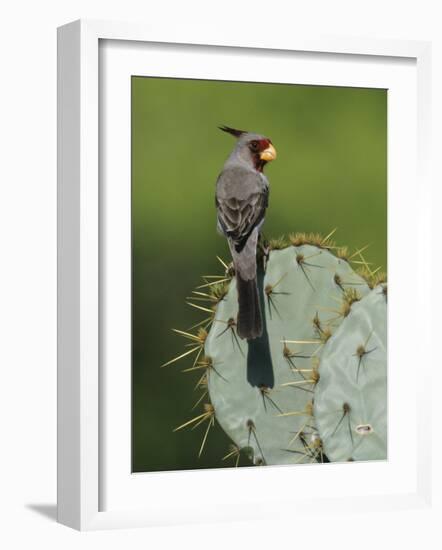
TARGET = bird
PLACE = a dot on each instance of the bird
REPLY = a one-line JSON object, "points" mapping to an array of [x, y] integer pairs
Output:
{"points": [[241, 199]]}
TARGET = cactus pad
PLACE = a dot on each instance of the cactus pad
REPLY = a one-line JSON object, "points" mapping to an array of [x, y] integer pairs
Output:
{"points": [[351, 396], [263, 390]]}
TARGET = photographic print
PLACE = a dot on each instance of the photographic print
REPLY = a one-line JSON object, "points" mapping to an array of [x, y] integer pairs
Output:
{"points": [[259, 287]]}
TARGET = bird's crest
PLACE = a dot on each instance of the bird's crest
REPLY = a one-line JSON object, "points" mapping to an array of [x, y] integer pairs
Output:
{"points": [[232, 131]]}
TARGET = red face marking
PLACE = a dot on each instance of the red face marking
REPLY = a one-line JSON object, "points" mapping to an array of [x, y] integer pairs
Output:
{"points": [[263, 144], [259, 145], [256, 147]]}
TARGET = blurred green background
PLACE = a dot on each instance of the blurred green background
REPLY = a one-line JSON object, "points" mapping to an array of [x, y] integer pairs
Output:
{"points": [[331, 171]]}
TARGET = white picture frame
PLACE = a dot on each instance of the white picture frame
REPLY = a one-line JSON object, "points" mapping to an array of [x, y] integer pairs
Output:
{"points": [[81, 436]]}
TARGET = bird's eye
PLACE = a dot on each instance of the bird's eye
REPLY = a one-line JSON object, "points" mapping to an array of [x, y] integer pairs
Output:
{"points": [[254, 145]]}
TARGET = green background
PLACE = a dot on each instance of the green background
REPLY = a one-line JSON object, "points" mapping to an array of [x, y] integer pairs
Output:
{"points": [[331, 171]]}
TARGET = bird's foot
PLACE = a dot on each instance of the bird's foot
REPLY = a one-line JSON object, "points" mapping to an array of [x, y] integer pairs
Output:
{"points": [[230, 270], [263, 253]]}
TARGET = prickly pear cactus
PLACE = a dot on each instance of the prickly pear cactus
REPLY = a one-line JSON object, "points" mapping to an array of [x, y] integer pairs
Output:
{"points": [[263, 392], [350, 405]]}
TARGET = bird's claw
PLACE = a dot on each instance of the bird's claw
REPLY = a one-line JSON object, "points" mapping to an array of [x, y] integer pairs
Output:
{"points": [[230, 271], [266, 254], [263, 253]]}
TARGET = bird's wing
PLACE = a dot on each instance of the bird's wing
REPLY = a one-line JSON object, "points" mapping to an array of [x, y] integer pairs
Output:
{"points": [[241, 201]]}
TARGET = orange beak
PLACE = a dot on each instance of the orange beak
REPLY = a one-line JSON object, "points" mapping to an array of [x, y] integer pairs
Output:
{"points": [[268, 154]]}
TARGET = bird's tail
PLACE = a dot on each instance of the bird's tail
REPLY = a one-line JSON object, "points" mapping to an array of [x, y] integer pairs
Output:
{"points": [[249, 322]]}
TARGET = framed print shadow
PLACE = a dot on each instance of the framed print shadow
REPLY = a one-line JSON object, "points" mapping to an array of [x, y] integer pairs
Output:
{"points": [[226, 212]]}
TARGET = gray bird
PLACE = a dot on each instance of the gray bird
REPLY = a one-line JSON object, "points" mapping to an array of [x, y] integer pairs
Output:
{"points": [[242, 195]]}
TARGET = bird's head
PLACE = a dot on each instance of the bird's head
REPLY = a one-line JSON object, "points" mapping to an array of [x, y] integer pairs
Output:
{"points": [[252, 148]]}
